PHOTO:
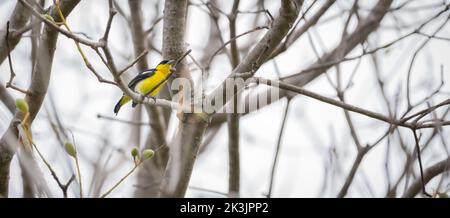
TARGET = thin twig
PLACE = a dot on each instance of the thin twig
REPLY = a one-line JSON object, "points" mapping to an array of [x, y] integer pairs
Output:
{"points": [[9, 84], [278, 148], [112, 12], [208, 190], [63, 187], [120, 181], [77, 43], [231, 40], [411, 64], [123, 121], [416, 139], [139, 57], [41, 17], [352, 108]]}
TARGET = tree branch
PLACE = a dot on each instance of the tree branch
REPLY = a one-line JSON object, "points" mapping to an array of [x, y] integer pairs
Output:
{"points": [[18, 20], [37, 90], [429, 174], [192, 127], [365, 27]]}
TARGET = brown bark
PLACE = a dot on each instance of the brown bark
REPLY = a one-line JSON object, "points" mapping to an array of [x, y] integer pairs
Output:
{"points": [[364, 29], [429, 174], [151, 169], [37, 91], [19, 18], [185, 147], [233, 118]]}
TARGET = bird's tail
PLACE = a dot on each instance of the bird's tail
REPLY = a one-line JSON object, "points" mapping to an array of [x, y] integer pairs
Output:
{"points": [[121, 102]]}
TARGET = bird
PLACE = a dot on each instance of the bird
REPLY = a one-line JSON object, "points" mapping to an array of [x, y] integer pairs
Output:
{"points": [[146, 81]]}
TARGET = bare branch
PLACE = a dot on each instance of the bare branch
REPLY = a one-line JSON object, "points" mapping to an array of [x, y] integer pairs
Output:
{"points": [[19, 18], [37, 89], [277, 149], [429, 174], [192, 129], [50, 23], [9, 84]]}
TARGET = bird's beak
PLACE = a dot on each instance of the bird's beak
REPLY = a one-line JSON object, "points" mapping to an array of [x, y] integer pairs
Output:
{"points": [[171, 62]]}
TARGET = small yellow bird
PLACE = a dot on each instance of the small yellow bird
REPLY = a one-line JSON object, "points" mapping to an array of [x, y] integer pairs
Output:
{"points": [[146, 81]]}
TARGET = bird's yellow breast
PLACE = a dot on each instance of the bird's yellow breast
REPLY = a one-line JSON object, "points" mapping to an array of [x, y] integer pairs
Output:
{"points": [[147, 84]]}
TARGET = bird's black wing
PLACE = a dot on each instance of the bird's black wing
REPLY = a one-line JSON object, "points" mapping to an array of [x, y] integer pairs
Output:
{"points": [[141, 76]]}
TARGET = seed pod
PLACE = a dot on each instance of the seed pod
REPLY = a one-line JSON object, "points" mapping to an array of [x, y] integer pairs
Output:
{"points": [[134, 152], [22, 105], [70, 149], [148, 153], [50, 18]]}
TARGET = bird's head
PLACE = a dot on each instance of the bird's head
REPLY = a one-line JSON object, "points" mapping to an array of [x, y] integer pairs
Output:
{"points": [[165, 66]]}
